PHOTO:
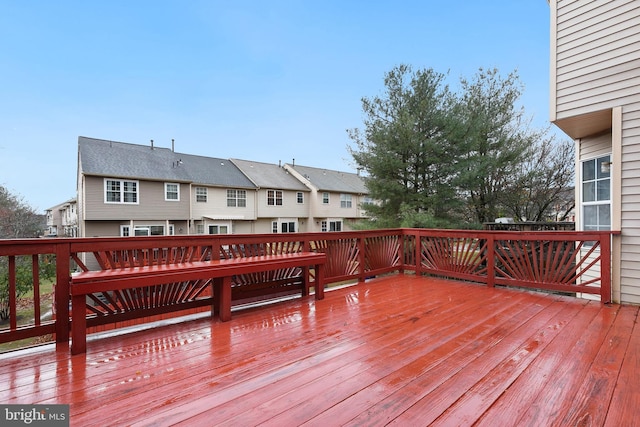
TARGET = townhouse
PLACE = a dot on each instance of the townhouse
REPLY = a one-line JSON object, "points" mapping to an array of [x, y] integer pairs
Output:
{"points": [[595, 99], [62, 220], [134, 190], [336, 199]]}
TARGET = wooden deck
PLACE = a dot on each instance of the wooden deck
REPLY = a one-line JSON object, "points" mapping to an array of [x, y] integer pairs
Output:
{"points": [[396, 350]]}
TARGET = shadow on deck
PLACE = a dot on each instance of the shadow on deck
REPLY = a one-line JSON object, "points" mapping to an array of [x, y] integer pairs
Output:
{"points": [[400, 349]]}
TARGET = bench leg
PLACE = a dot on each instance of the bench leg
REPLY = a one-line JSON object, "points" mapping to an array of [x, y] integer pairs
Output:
{"points": [[319, 283], [223, 301], [305, 281], [216, 284], [78, 324]]}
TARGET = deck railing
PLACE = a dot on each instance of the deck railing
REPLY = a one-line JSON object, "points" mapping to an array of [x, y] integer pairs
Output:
{"points": [[557, 261]]}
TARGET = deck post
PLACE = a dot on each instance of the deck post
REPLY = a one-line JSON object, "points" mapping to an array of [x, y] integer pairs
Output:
{"points": [[362, 247], [417, 252], [605, 268], [491, 261], [62, 292]]}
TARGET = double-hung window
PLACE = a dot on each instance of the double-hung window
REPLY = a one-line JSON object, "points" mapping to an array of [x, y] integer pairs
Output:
{"points": [[596, 194], [345, 200], [171, 191], [274, 197], [201, 194], [236, 198], [120, 191]]}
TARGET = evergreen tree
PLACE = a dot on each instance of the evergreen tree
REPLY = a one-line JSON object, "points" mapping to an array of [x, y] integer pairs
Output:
{"points": [[402, 148]]}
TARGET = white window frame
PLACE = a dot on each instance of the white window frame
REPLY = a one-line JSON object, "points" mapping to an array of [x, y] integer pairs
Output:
{"points": [[202, 194], [144, 230], [121, 191], [276, 196], [346, 201], [597, 189], [218, 228], [279, 226], [167, 192], [236, 198], [331, 225], [300, 197], [325, 198]]}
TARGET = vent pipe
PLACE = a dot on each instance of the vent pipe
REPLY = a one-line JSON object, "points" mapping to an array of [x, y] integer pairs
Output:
{"points": [[152, 144], [173, 145]]}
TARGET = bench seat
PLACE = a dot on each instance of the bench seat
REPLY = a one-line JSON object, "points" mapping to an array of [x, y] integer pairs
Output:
{"points": [[219, 271]]}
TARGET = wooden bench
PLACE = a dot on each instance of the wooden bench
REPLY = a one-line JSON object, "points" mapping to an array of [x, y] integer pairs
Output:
{"points": [[219, 271]]}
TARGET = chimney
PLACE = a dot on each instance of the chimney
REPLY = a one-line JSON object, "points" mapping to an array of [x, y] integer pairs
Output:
{"points": [[152, 144], [173, 145]]}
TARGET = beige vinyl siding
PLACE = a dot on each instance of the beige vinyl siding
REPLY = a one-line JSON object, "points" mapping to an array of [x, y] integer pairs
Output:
{"points": [[216, 205], [630, 239], [595, 146], [151, 202], [597, 55], [289, 208]]}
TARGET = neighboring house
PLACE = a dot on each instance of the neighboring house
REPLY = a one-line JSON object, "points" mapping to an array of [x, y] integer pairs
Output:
{"points": [[135, 190], [127, 189], [282, 201], [62, 220], [336, 198], [595, 99]]}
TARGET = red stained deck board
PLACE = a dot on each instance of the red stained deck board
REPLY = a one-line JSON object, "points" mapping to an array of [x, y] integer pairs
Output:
{"points": [[395, 349]]}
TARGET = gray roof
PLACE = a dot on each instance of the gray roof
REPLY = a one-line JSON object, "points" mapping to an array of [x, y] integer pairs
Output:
{"points": [[267, 175], [330, 180], [123, 160]]}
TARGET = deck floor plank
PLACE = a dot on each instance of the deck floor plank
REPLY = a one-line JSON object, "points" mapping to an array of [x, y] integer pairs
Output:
{"points": [[537, 393], [398, 349]]}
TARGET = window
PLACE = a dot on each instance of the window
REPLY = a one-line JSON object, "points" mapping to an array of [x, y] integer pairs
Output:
{"points": [[285, 226], [596, 194], [274, 197], [288, 227], [218, 229], [331, 226], [199, 228], [120, 191], [201, 195], [144, 230], [236, 198], [325, 198], [171, 191], [345, 200], [300, 197]]}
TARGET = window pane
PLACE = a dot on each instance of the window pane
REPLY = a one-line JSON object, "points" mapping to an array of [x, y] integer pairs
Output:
{"points": [[604, 217], [588, 191], [590, 217], [588, 170], [603, 190], [603, 168]]}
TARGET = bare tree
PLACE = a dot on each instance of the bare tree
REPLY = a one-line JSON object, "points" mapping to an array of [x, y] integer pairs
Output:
{"points": [[542, 189]]}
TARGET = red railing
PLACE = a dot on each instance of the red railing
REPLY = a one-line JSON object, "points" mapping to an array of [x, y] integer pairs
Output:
{"points": [[559, 261]]}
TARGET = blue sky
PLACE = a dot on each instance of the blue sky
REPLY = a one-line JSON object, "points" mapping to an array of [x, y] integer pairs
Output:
{"points": [[258, 80]]}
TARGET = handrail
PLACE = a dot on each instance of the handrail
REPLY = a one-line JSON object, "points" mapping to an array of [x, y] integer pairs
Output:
{"points": [[557, 261]]}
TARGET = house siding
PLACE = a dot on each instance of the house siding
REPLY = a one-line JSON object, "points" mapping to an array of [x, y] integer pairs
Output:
{"points": [[597, 55], [630, 197], [151, 203], [216, 204], [595, 67]]}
